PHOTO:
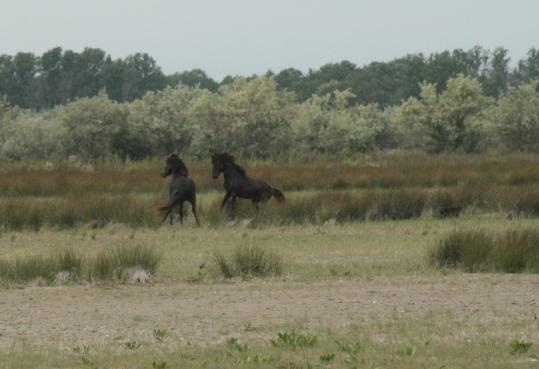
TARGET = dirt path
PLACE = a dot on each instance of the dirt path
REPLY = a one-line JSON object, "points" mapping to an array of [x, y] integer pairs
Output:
{"points": [[64, 317]]}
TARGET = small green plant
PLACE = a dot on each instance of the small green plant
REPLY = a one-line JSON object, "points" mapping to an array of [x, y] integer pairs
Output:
{"points": [[160, 334], [519, 347], [86, 361], [248, 326], [293, 340], [161, 364], [234, 344], [259, 359], [326, 358], [348, 348], [408, 350], [132, 345], [199, 276], [83, 350]]}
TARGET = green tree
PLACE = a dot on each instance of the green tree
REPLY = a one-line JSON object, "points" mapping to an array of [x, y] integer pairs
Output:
{"points": [[496, 80], [247, 116], [193, 78], [94, 127], [517, 118], [450, 121], [162, 122]]}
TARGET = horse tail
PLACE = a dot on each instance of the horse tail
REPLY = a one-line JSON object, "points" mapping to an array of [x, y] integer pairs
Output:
{"points": [[279, 196], [163, 208]]}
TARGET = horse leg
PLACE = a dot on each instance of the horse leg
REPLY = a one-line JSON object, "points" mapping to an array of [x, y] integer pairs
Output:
{"points": [[233, 204], [167, 213], [194, 209], [181, 212], [227, 196], [256, 204]]}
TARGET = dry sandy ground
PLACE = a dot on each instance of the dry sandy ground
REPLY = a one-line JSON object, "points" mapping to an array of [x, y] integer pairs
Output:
{"points": [[63, 317]]}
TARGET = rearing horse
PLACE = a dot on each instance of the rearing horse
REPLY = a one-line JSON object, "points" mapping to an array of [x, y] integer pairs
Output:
{"points": [[182, 188], [238, 184]]}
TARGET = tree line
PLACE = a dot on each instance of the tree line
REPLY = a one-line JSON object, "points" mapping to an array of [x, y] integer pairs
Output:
{"points": [[256, 118], [58, 76]]}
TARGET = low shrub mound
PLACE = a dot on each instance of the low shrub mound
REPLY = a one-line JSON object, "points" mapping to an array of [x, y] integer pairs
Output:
{"points": [[116, 264], [248, 262], [512, 251]]}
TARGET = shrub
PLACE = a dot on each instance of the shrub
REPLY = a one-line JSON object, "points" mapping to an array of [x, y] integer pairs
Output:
{"points": [[248, 262]]}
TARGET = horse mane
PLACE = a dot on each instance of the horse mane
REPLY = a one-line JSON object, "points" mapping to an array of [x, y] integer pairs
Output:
{"points": [[183, 169], [180, 165], [227, 158]]}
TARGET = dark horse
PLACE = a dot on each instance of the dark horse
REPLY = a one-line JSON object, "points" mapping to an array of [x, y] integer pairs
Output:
{"points": [[238, 184], [182, 188]]}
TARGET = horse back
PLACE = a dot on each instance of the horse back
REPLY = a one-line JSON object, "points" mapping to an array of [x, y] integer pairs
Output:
{"points": [[183, 187]]}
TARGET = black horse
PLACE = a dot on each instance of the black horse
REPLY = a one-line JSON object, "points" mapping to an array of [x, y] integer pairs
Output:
{"points": [[182, 188], [238, 184]]}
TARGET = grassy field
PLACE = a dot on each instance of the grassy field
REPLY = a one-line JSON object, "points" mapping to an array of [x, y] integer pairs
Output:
{"points": [[365, 290], [356, 290]]}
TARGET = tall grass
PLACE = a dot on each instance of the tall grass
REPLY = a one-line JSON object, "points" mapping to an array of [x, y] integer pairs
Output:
{"points": [[383, 171], [112, 264], [68, 212], [248, 262], [105, 265], [41, 266], [511, 251], [33, 213]]}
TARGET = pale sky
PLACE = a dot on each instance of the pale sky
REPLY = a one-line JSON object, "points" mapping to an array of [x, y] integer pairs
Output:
{"points": [[252, 36]]}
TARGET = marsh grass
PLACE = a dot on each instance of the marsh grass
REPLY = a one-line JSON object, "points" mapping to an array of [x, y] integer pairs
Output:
{"points": [[381, 171], [248, 262], [35, 213], [105, 265], [112, 264], [26, 269], [512, 251], [399, 204]]}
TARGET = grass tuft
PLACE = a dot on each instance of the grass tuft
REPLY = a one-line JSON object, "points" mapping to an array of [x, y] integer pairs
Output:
{"points": [[511, 251], [248, 262], [112, 264], [69, 265], [41, 266]]}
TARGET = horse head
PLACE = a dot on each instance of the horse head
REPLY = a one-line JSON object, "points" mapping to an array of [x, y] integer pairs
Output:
{"points": [[173, 164], [219, 161]]}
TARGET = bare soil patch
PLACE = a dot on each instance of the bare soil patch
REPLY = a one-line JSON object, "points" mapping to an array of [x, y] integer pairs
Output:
{"points": [[63, 317]]}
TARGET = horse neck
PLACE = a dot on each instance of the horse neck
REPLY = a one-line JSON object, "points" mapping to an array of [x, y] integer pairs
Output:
{"points": [[231, 172], [178, 172]]}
